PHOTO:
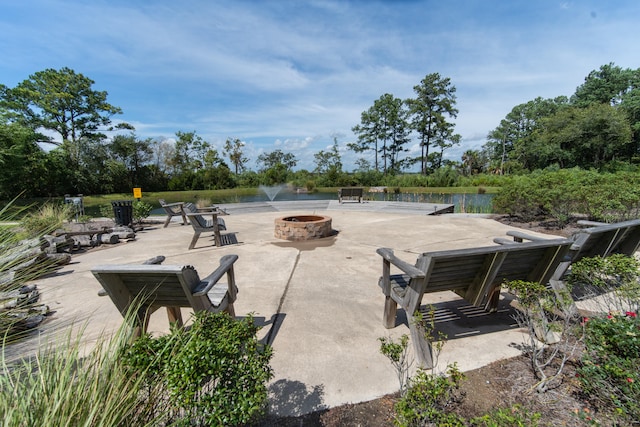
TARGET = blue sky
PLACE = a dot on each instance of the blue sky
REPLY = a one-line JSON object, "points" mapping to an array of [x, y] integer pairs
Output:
{"points": [[292, 75]]}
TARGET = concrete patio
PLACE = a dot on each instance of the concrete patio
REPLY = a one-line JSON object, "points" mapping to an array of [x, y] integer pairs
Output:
{"points": [[318, 301]]}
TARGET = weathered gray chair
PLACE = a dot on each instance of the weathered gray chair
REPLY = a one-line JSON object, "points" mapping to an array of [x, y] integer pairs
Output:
{"points": [[173, 209], [599, 240], [170, 286], [476, 274], [201, 224]]}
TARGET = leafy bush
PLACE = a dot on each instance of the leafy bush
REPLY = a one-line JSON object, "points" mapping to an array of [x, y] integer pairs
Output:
{"points": [[518, 198], [444, 177], [428, 397], [609, 371], [106, 211], [141, 210], [615, 280], [549, 317], [214, 374], [508, 417], [487, 180], [560, 194], [398, 354]]}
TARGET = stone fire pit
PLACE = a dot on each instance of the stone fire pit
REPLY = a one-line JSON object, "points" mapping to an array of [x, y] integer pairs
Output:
{"points": [[303, 227]]}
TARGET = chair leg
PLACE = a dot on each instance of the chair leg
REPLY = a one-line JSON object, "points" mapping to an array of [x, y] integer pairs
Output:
{"points": [[196, 235], [142, 321], [421, 345], [217, 237], [230, 310], [494, 300], [390, 311], [167, 221], [175, 316]]}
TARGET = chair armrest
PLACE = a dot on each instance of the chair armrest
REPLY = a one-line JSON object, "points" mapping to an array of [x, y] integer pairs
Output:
{"points": [[389, 257], [585, 223], [504, 241], [159, 259], [170, 205], [519, 236], [208, 209], [201, 214], [226, 264]]}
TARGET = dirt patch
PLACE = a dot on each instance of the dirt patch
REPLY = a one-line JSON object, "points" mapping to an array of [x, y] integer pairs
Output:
{"points": [[501, 384], [540, 226]]}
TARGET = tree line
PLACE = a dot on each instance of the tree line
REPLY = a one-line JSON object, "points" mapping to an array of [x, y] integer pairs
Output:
{"points": [[597, 127]]}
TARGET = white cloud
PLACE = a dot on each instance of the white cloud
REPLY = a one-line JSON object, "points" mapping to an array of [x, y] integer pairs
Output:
{"points": [[291, 75]]}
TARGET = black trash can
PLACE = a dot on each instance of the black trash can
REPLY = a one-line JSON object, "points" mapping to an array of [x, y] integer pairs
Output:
{"points": [[123, 212]]}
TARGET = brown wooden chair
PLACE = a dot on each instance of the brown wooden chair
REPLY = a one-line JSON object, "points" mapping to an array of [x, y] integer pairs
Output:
{"points": [[171, 286]]}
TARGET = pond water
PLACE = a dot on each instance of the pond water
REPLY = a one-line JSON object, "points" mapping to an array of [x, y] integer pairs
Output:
{"points": [[466, 202]]}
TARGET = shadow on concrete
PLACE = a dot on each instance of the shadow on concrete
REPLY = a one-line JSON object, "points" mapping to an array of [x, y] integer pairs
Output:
{"points": [[458, 319], [294, 398], [308, 245], [274, 324]]}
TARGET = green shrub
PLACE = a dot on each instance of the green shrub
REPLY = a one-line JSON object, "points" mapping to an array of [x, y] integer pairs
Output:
{"points": [[428, 399], [141, 210], [516, 415], [518, 198], [215, 373], [106, 211], [444, 177], [609, 364], [398, 355], [609, 371], [560, 194], [615, 280], [548, 316], [486, 180]]}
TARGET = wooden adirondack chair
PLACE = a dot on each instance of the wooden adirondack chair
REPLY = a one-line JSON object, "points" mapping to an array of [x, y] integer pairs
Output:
{"points": [[201, 224], [173, 209], [475, 274], [170, 286]]}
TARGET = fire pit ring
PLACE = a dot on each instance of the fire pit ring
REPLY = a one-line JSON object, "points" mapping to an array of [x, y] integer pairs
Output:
{"points": [[303, 227]]}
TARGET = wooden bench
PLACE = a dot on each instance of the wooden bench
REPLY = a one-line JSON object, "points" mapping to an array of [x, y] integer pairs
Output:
{"points": [[172, 286], [350, 193], [599, 239], [476, 274]]}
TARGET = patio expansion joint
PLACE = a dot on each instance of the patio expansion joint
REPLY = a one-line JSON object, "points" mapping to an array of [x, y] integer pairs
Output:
{"points": [[277, 318]]}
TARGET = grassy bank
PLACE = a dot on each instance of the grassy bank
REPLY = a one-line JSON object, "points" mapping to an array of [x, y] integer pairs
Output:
{"points": [[92, 203]]}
